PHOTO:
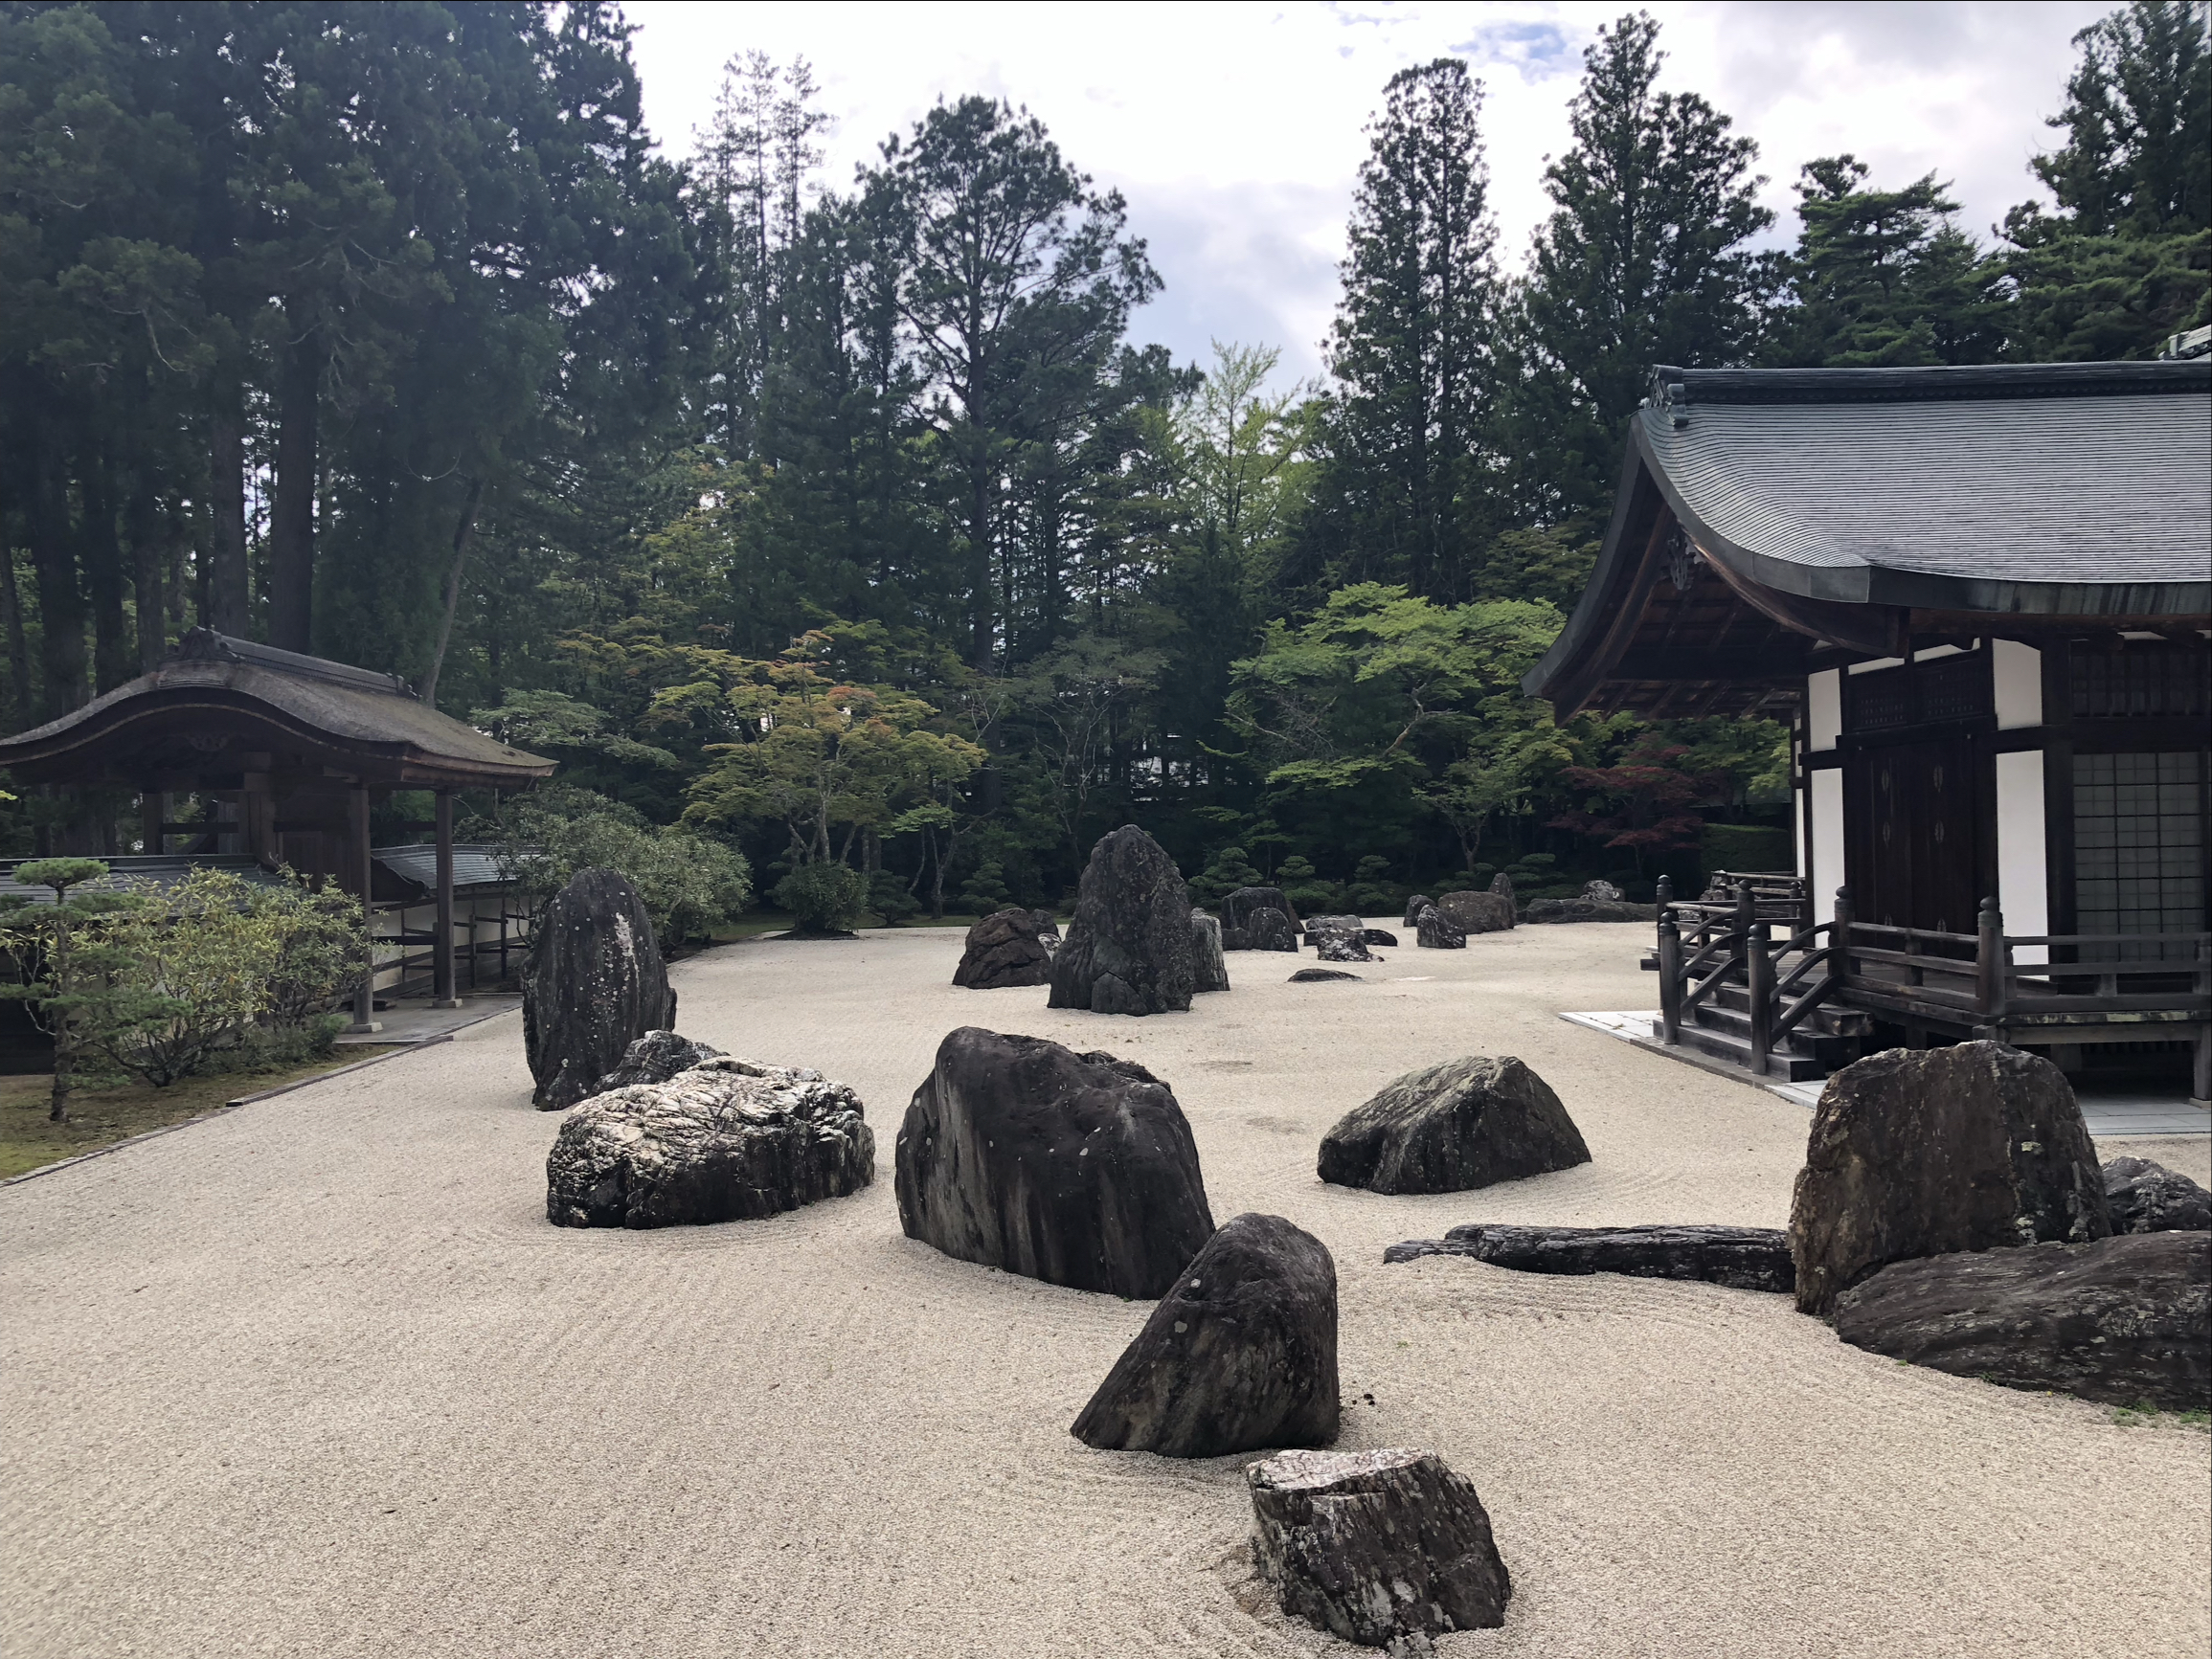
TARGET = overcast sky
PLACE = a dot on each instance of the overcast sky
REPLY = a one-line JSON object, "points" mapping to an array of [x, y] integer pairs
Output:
{"points": [[1235, 130]]}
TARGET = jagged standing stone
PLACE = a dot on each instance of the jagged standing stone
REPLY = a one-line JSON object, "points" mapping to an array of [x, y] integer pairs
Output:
{"points": [[726, 1141], [1501, 885], [596, 983], [1338, 938], [1076, 1169], [1437, 932], [1240, 1353], [2149, 1197], [1380, 1547], [1741, 1258], [1209, 971], [1414, 906], [1451, 1128], [1128, 950], [1973, 1147], [655, 1058], [2124, 1320], [1006, 947]]}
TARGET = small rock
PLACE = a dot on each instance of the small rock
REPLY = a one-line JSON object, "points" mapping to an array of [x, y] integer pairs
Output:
{"points": [[596, 983], [1437, 932], [655, 1058], [1921, 1153], [1209, 971], [1453, 1128], [1338, 938], [1316, 975], [726, 1141], [1553, 911], [1381, 936], [2149, 1197], [1005, 948], [2124, 1320], [1741, 1258], [1240, 1353], [1414, 906], [1478, 913], [1378, 1547], [1604, 892], [1076, 1169], [1128, 950]]}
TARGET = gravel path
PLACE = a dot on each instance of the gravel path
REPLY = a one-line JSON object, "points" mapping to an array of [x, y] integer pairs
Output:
{"points": [[316, 1377]]}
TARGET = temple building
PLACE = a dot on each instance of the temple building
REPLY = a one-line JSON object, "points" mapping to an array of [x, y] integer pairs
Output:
{"points": [[1981, 599]]}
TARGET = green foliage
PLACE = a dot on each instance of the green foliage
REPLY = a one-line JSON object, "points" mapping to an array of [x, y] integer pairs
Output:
{"points": [[66, 962], [690, 882], [1748, 847], [822, 898], [1225, 872], [985, 890], [890, 897]]}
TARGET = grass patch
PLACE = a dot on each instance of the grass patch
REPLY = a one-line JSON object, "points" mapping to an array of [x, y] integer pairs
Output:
{"points": [[101, 1117], [2144, 1414]]}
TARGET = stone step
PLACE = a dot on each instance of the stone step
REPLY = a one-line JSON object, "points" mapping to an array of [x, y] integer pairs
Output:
{"points": [[1782, 1067]]}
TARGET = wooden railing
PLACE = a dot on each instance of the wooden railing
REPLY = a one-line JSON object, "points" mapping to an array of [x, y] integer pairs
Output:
{"points": [[1784, 979]]}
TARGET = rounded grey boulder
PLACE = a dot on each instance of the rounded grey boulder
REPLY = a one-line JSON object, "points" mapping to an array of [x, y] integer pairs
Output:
{"points": [[1240, 1353], [1451, 1128], [1076, 1169]]}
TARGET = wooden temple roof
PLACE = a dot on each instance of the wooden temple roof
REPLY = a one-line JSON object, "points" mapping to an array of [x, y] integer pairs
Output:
{"points": [[220, 706], [1765, 515]]}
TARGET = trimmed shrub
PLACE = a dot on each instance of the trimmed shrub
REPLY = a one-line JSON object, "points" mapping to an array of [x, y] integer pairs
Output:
{"points": [[822, 898]]}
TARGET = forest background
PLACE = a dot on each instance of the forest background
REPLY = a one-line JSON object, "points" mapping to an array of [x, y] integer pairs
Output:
{"points": [[849, 527]]}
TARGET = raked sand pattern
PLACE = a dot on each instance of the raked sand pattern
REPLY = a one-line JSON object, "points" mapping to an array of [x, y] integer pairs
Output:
{"points": [[316, 1377]]}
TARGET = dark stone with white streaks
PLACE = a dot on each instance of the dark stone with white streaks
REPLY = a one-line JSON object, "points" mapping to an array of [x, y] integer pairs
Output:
{"points": [[1240, 1353], [2126, 1320], [1451, 1128], [1478, 913], [1437, 932], [1338, 938], [1128, 950], [1209, 971], [1240, 908], [596, 983], [1741, 1258], [655, 1058], [1414, 906], [1382, 1548], [1076, 1169], [2149, 1197]]}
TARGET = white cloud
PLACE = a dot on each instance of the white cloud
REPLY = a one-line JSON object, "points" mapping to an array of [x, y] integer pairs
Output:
{"points": [[1235, 131]]}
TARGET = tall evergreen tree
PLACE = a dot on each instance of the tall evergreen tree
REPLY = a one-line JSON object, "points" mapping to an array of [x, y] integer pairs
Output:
{"points": [[1643, 260]]}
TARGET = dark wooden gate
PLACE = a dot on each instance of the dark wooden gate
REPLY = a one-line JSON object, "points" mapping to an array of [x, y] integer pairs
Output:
{"points": [[1913, 846]]}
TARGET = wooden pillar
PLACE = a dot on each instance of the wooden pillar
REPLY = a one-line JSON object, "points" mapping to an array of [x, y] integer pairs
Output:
{"points": [[152, 807], [444, 994], [1990, 965], [358, 867]]}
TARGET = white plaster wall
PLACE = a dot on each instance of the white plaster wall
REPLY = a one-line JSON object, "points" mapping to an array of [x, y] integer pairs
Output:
{"points": [[1828, 873], [2022, 886], [2018, 671], [1824, 708]]}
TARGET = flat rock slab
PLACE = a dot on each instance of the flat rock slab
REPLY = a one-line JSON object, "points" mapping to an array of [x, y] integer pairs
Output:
{"points": [[596, 983], [1378, 1547], [1008, 948], [2149, 1197], [655, 1058], [1323, 976], [1076, 1169], [726, 1141], [1240, 1353], [1587, 910], [2125, 1320], [1453, 1128], [1922, 1153], [1128, 950], [1741, 1258]]}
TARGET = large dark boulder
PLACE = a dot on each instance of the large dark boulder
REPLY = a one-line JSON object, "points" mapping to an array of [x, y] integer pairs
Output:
{"points": [[1209, 971], [596, 983], [1975, 1147], [1242, 1352], [1741, 1258], [2126, 1320], [1434, 931], [1238, 909], [1384, 1548], [1128, 950], [1076, 1169], [655, 1058], [1268, 931], [1478, 913], [2149, 1197], [1451, 1128], [1338, 938], [726, 1141], [1005, 949], [1414, 906], [1587, 910]]}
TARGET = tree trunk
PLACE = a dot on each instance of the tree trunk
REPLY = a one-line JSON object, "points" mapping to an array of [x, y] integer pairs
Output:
{"points": [[100, 557], [60, 599], [224, 607], [149, 548], [292, 514], [18, 652], [462, 533]]}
